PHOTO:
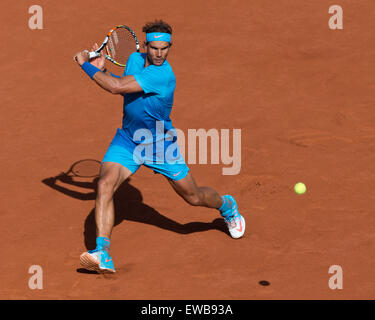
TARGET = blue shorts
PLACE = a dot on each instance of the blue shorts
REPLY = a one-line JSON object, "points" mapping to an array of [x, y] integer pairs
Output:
{"points": [[121, 152]]}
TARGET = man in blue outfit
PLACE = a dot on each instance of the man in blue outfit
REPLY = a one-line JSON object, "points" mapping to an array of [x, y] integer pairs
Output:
{"points": [[148, 85]]}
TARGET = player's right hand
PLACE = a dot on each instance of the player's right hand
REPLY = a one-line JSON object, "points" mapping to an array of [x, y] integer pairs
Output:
{"points": [[82, 57]]}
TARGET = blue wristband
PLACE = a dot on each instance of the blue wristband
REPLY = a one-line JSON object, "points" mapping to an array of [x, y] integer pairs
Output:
{"points": [[89, 69]]}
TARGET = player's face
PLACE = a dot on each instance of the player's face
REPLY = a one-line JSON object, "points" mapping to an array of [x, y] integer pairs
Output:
{"points": [[157, 52]]}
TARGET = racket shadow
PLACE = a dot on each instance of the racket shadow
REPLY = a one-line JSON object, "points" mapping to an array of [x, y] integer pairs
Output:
{"points": [[129, 205]]}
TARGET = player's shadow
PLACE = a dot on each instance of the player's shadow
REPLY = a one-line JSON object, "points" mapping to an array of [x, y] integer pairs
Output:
{"points": [[128, 203]]}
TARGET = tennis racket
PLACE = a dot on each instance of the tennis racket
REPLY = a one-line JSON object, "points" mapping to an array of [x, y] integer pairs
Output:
{"points": [[118, 45]]}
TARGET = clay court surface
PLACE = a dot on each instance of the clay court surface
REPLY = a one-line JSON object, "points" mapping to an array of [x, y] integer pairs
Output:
{"points": [[304, 98]]}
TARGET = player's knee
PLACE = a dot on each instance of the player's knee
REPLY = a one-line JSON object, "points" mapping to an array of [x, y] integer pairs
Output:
{"points": [[106, 187]]}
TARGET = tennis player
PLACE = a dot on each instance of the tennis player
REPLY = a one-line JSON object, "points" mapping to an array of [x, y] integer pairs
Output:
{"points": [[148, 86]]}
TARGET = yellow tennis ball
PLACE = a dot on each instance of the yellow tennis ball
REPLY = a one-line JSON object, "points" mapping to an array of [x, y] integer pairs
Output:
{"points": [[300, 188]]}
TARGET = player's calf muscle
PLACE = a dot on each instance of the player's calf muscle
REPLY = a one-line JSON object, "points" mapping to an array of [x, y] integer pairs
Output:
{"points": [[203, 196], [210, 198], [194, 199]]}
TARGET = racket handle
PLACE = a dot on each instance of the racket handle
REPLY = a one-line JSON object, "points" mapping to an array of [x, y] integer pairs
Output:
{"points": [[94, 54]]}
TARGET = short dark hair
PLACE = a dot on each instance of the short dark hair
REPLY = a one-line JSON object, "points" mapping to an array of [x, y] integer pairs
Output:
{"points": [[157, 26]]}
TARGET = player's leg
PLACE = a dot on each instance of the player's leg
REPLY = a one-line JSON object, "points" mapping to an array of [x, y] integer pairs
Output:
{"points": [[208, 197], [117, 165], [194, 195], [178, 175], [112, 175]]}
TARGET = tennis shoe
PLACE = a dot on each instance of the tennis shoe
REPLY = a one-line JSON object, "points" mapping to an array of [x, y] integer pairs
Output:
{"points": [[97, 260], [235, 221]]}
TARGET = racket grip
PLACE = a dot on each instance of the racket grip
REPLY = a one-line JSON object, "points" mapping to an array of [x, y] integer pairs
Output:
{"points": [[94, 54]]}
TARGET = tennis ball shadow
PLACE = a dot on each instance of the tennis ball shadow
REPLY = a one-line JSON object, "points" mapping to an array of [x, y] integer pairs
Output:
{"points": [[264, 283]]}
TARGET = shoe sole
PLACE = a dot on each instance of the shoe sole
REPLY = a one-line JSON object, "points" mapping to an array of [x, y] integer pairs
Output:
{"points": [[92, 264]]}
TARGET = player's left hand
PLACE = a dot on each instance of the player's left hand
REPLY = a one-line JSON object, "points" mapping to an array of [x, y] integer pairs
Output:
{"points": [[82, 57], [98, 62]]}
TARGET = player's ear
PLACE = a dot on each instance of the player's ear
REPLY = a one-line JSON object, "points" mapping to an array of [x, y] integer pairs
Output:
{"points": [[145, 45]]}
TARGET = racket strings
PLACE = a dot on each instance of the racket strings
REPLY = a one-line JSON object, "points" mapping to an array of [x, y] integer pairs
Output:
{"points": [[121, 45]]}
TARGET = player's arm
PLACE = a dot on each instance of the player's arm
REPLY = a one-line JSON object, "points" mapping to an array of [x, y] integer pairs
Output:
{"points": [[110, 83], [115, 85]]}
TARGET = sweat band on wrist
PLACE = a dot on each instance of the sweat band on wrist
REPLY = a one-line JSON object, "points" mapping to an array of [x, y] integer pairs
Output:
{"points": [[89, 69]]}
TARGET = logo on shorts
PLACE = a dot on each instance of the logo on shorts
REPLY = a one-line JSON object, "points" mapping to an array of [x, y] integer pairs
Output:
{"points": [[176, 174]]}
